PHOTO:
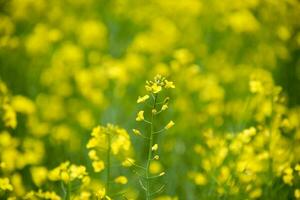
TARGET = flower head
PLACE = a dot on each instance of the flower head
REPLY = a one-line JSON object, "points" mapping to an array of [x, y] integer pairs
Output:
{"points": [[169, 84], [155, 147], [98, 166], [136, 132], [142, 99], [5, 185], [140, 116], [169, 125], [121, 180], [164, 107]]}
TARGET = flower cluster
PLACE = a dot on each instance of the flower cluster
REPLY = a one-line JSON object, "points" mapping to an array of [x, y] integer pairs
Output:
{"points": [[153, 88], [104, 143]]}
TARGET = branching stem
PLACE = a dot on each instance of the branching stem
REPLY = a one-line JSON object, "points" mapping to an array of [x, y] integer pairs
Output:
{"points": [[148, 193]]}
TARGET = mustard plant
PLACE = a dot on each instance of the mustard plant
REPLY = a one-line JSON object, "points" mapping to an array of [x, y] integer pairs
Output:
{"points": [[154, 89], [108, 141]]}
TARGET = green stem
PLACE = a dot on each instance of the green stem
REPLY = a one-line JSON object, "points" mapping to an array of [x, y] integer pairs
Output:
{"points": [[148, 193], [68, 195], [108, 164], [270, 145]]}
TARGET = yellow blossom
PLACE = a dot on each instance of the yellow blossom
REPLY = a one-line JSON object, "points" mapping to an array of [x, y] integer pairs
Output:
{"points": [[169, 84], [288, 176], [140, 116], [39, 175], [297, 193], [93, 142], [121, 180], [23, 105], [164, 107], [142, 99], [200, 179], [136, 132], [98, 166], [156, 157], [128, 162], [169, 125], [155, 167], [155, 88], [154, 147], [9, 116], [101, 193], [93, 155], [297, 167], [162, 174], [65, 176], [5, 185]]}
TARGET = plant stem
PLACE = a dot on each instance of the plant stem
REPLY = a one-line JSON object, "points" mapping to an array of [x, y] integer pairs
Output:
{"points": [[271, 126], [148, 193], [68, 195], [108, 164]]}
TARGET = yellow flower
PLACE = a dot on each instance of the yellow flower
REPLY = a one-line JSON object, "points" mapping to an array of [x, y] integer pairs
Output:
{"points": [[164, 107], [297, 167], [169, 125], [93, 142], [136, 132], [256, 86], [78, 172], [128, 162], [297, 193], [140, 116], [98, 166], [200, 179], [101, 193], [162, 173], [156, 88], [5, 185], [156, 157], [93, 155], [39, 175], [23, 105], [155, 167], [121, 180], [256, 193], [155, 147], [2, 165], [142, 99], [288, 176], [65, 176], [169, 84], [96, 131], [9, 116]]}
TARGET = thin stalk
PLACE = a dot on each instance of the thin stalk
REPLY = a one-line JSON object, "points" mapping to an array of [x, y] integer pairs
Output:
{"points": [[148, 193], [108, 163], [68, 195], [271, 126]]}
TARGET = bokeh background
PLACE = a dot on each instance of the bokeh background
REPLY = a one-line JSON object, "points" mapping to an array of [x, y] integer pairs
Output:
{"points": [[68, 66]]}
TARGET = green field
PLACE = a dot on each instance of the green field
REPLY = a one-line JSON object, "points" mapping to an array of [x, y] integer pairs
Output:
{"points": [[150, 100]]}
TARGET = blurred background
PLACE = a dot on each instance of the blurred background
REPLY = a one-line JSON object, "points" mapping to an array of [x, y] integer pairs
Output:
{"points": [[68, 66]]}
